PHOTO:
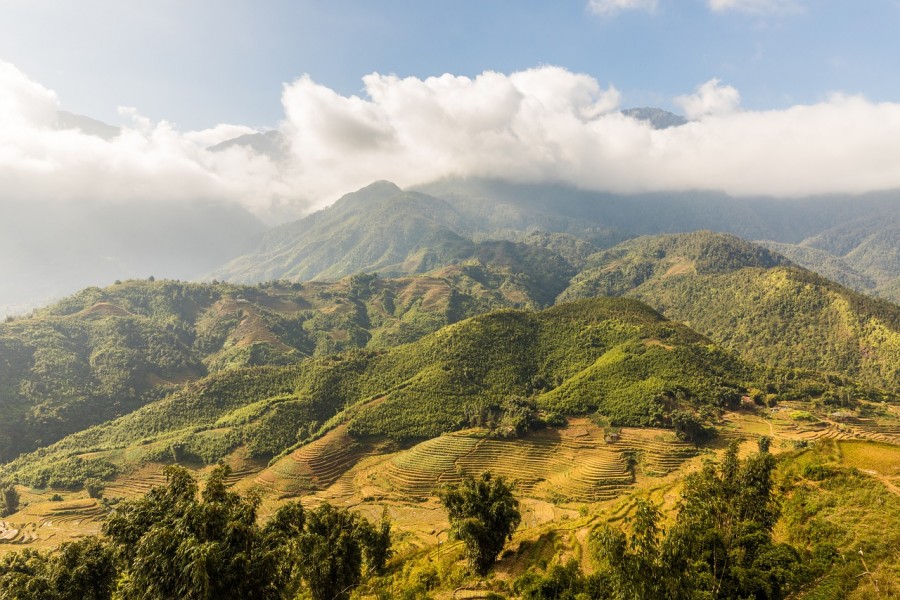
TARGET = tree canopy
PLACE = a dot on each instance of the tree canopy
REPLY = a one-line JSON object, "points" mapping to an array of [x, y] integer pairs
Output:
{"points": [[483, 514], [176, 542], [720, 545]]}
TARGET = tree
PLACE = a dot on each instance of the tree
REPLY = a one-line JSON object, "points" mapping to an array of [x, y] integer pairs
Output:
{"points": [[10, 499], [560, 582], [82, 570], [483, 514], [178, 543], [720, 545], [94, 487], [642, 566], [334, 547], [174, 545]]}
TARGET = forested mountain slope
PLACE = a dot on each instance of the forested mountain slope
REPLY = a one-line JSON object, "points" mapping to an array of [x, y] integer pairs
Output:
{"points": [[615, 356], [753, 302], [863, 254], [102, 353], [383, 228], [115, 349]]}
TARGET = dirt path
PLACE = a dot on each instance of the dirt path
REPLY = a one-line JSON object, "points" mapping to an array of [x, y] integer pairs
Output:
{"points": [[883, 479]]}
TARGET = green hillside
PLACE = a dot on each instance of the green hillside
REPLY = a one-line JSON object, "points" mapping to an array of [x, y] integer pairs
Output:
{"points": [[753, 302], [104, 352], [824, 263], [617, 357], [60, 374], [379, 228], [383, 228], [863, 255], [117, 348]]}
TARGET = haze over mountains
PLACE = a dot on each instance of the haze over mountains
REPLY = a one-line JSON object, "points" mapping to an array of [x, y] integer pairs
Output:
{"points": [[383, 228], [853, 240], [541, 127], [374, 349]]}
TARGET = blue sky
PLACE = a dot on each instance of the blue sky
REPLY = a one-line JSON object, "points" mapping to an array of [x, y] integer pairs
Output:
{"points": [[202, 62]]}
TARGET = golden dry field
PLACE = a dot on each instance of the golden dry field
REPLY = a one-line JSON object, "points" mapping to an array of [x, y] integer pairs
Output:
{"points": [[567, 479]]}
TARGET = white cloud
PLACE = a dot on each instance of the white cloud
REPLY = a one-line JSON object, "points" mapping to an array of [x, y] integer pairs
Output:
{"points": [[756, 7], [611, 7], [710, 98], [542, 124], [24, 103]]}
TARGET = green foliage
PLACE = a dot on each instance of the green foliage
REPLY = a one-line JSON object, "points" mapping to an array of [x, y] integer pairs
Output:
{"points": [[483, 514], [174, 545], [614, 354], [280, 428], [94, 487], [9, 499], [62, 374], [650, 257], [597, 353], [103, 353], [641, 567], [689, 427], [177, 543], [560, 582], [81, 570], [333, 548], [68, 473], [720, 545], [846, 519], [752, 302]]}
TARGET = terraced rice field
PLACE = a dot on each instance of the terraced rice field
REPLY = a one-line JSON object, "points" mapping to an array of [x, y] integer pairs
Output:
{"points": [[873, 457], [570, 464], [555, 470], [43, 523], [315, 466], [137, 483]]}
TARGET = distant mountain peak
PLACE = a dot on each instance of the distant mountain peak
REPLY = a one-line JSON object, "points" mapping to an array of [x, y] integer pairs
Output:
{"points": [[87, 125], [657, 117], [269, 143]]}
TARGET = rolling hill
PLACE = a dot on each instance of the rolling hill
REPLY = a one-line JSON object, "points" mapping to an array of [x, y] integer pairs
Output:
{"points": [[863, 254], [753, 302], [744, 297], [115, 349], [618, 357]]}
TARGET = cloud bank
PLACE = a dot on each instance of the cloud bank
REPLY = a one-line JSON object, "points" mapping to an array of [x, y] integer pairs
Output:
{"points": [[710, 98], [540, 125]]}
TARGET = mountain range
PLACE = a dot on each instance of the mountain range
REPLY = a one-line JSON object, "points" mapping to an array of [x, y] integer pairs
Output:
{"points": [[594, 348], [392, 231]]}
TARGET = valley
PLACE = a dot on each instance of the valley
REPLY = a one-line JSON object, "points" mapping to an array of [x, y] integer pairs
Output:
{"points": [[595, 373]]}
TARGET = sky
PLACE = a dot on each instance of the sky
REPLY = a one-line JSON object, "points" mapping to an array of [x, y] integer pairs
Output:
{"points": [[785, 97], [199, 63]]}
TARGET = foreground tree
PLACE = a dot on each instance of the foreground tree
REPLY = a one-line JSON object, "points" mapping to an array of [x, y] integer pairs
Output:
{"points": [[173, 545], [82, 570], [335, 547], [483, 514], [719, 547]]}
